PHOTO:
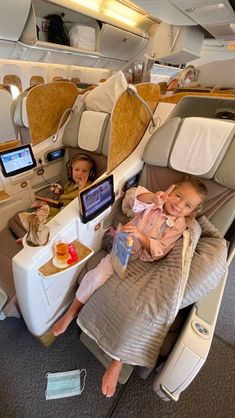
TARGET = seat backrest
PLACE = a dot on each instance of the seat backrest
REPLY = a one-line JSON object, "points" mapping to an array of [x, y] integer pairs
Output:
{"points": [[88, 130], [20, 119], [202, 147], [6, 126], [209, 107]]}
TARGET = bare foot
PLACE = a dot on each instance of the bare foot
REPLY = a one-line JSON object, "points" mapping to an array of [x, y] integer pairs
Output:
{"points": [[110, 378], [60, 326]]}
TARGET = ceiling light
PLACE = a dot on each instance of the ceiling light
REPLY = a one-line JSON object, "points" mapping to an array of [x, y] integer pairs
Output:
{"points": [[89, 4], [121, 13]]}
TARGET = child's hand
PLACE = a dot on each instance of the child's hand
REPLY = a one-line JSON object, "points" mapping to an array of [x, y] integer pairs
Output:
{"points": [[82, 183], [130, 229], [38, 204], [143, 239], [162, 197]]}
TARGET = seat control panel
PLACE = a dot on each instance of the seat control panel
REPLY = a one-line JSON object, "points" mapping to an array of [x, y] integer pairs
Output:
{"points": [[55, 154], [200, 329]]}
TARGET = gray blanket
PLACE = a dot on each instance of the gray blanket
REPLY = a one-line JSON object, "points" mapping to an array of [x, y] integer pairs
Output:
{"points": [[130, 318]]}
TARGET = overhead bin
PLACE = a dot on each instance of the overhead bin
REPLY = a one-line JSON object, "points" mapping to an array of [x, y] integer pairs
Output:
{"points": [[120, 44], [13, 16], [106, 44], [177, 44]]}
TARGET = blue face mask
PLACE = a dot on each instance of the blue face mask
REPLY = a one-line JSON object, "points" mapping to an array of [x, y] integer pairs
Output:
{"points": [[65, 384]]}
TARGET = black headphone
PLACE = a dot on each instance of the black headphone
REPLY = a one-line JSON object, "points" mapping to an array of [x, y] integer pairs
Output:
{"points": [[84, 157]]}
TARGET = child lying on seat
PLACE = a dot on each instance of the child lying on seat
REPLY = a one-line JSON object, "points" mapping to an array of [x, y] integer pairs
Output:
{"points": [[159, 221]]}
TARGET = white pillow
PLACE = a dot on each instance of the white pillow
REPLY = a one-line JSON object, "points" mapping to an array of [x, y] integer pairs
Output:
{"points": [[104, 96]]}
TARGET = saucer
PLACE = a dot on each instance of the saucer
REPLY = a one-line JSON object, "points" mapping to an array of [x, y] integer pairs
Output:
{"points": [[59, 265]]}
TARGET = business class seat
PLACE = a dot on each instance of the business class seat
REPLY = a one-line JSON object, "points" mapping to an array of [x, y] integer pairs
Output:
{"points": [[167, 157], [87, 131]]}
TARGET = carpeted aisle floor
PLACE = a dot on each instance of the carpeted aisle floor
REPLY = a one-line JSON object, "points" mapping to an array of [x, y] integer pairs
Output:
{"points": [[25, 362]]}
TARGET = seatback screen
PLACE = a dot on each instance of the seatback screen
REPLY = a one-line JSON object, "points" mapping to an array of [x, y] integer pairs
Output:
{"points": [[95, 199], [17, 160]]}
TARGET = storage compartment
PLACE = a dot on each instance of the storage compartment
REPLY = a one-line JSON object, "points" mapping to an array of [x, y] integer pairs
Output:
{"points": [[184, 44], [11, 29], [89, 40], [36, 29], [120, 44], [57, 281]]}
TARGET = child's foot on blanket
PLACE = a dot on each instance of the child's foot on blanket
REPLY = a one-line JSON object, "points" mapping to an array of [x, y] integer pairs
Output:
{"points": [[110, 378], [60, 326]]}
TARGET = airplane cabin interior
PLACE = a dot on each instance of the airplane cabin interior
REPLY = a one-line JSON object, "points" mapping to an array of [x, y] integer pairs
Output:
{"points": [[144, 93]]}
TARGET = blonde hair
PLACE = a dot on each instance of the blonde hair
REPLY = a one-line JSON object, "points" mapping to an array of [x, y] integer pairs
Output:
{"points": [[82, 157]]}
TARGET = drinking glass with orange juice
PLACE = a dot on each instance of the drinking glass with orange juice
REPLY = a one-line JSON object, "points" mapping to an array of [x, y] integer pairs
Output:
{"points": [[61, 250]]}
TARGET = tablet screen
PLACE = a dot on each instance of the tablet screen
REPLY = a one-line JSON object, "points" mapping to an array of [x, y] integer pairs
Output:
{"points": [[17, 160], [95, 199]]}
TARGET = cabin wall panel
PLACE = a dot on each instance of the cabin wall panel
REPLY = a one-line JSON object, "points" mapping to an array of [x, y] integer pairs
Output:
{"points": [[25, 70], [20, 202]]}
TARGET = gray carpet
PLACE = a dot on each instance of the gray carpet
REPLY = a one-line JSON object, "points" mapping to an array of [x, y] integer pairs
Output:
{"points": [[225, 326], [211, 394], [25, 362]]}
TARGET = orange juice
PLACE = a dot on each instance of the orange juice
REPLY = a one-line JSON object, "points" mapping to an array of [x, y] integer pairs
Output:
{"points": [[61, 252]]}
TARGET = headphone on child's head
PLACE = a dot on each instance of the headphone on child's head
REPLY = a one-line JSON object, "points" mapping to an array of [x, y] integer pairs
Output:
{"points": [[83, 157]]}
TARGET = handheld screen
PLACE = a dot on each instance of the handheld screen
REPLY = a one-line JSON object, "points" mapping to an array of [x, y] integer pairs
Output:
{"points": [[95, 199], [17, 160]]}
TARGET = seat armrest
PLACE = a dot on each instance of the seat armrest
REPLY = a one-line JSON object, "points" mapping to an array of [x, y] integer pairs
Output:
{"points": [[192, 347], [231, 250]]}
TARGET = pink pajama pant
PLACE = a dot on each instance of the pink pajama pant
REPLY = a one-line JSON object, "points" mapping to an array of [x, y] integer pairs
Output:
{"points": [[94, 279]]}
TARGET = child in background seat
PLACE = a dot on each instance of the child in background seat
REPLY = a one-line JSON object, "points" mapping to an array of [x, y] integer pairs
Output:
{"points": [[159, 221], [81, 173]]}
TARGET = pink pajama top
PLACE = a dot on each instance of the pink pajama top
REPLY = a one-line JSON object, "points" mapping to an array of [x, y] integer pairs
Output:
{"points": [[162, 230]]}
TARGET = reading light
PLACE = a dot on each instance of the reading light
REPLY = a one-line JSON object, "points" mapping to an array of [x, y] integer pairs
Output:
{"points": [[120, 12], [132, 90], [89, 4]]}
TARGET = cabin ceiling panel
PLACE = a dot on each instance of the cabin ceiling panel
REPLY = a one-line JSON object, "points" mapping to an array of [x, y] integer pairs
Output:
{"points": [[165, 10], [206, 11], [218, 18]]}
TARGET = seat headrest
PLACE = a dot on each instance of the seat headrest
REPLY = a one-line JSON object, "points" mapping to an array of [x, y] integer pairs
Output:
{"points": [[19, 112], [86, 124], [199, 146], [93, 125]]}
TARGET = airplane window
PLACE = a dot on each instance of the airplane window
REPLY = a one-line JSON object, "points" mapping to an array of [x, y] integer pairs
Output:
{"points": [[163, 73], [14, 91], [13, 80], [36, 79]]}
